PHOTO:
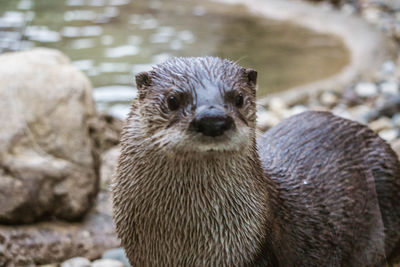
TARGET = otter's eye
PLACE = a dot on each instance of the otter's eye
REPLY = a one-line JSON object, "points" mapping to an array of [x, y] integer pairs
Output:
{"points": [[239, 100], [173, 103]]}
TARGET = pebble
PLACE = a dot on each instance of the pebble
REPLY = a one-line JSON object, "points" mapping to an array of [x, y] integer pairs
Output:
{"points": [[297, 110], [359, 113], [350, 97], [396, 120], [329, 99], [388, 68], [366, 89], [266, 120], [76, 262], [395, 144], [380, 124], [278, 106], [117, 254], [389, 88], [107, 263], [341, 111], [388, 135]]}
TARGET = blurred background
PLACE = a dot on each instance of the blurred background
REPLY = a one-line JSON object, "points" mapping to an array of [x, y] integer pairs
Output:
{"points": [[67, 71], [112, 40]]}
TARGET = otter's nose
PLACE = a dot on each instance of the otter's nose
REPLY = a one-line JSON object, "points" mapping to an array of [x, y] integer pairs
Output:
{"points": [[212, 122]]}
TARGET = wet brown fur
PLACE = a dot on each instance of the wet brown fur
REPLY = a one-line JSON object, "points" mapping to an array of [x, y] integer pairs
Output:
{"points": [[316, 190]]}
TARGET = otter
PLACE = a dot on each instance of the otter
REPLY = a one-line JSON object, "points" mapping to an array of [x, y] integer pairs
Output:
{"points": [[195, 187]]}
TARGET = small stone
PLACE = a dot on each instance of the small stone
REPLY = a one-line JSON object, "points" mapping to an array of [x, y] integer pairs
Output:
{"points": [[388, 67], [266, 120], [107, 263], [366, 89], [380, 124], [372, 14], [277, 105], [395, 144], [389, 88], [388, 135], [396, 120], [359, 113], [76, 262], [329, 99], [341, 111], [108, 166], [117, 254], [348, 9], [320, 108], [297, 110], [350, 97]]}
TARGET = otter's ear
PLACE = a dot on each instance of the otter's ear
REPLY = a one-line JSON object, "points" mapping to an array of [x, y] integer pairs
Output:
{"points": [[252, 76], [143, 80]]}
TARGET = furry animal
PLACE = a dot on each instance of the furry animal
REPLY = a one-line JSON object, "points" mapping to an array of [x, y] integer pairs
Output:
{"points": [[194, 187]]}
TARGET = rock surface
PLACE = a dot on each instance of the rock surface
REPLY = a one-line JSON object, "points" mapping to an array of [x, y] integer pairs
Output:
{"points": [[107, 263], [117, 254], [52, 242], [76, 262], [108, 166], [48, 162]]}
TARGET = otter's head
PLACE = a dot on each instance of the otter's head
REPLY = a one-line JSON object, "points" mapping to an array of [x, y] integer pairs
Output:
{"points": [[197, 105]]}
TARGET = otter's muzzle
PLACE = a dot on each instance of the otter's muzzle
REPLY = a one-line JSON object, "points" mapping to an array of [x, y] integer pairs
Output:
{"points": [[212, 121]]}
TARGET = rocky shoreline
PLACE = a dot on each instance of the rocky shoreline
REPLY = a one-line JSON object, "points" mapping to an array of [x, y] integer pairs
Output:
{"points": [[372, 100]]}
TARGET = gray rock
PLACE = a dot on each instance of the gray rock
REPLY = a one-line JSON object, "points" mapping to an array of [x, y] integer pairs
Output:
{"points": [[395, 144], [387, 108], [388, 68], [48, 161], [49, 242], [107, 130], [329, 99], [366, 89], [278, 106], [396, 120], [350, 97], [380, 124], [108, 166], [297, 110], [389, 88], [359, 113], [388, 135], [117, 254], [266, 120], [107, 263], [76, 262]]}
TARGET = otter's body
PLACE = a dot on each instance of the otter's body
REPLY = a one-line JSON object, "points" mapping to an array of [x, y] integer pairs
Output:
{"points": [[329, 173], [194, 188]]}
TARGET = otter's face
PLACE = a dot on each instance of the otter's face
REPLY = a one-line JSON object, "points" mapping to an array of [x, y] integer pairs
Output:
{"points": [[203, 105]]}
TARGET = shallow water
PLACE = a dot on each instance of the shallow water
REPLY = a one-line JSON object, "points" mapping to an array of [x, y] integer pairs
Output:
{"points": [[112, 40]]}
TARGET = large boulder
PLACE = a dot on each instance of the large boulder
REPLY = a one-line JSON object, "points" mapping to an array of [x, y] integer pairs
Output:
{"points": [[55, 241], [48, 162]]}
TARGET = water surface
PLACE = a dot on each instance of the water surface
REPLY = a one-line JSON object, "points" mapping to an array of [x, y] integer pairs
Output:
{"points": [[112, 40]]}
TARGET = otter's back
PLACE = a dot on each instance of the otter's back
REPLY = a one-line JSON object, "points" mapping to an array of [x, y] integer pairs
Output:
{"points": [[337, 184]]}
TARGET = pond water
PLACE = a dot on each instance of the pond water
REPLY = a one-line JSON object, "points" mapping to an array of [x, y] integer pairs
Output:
{"points": [[112, 40]]}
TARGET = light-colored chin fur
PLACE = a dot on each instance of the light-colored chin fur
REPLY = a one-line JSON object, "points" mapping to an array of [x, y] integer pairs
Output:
{"points": [[188, 211], [173, 140]]}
